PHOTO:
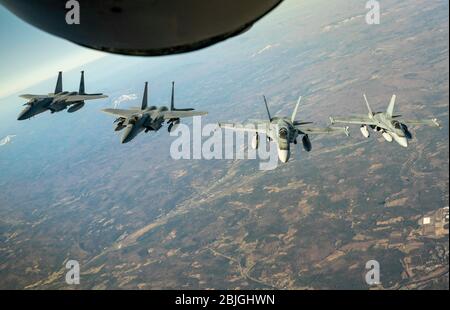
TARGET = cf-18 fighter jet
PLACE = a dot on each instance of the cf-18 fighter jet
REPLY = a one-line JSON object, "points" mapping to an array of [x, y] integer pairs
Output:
{"points": [[390, 126], [57, 101], [144, 118], [283, 131]]}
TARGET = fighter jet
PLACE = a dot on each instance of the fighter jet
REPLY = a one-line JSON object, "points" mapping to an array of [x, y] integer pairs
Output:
{"points": [[57, 101], [283, 130], [390, 125], [135, 120]]}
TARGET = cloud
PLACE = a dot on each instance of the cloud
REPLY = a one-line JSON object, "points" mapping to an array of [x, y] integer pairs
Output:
{"points": [[124, 98], [266, 48], [341, 23], [6, 140]]}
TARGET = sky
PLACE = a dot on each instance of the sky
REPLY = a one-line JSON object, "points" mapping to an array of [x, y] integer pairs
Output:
{"points": [[29, 55]]}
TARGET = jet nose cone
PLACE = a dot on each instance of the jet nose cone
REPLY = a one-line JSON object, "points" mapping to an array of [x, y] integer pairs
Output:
{"points": [[402, 140], [23, 115], [127, 135], [283, 155]]}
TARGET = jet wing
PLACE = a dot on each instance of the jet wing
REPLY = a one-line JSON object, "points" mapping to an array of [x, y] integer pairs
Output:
{"points": [[29, 97], [83, 97], [325, 130], [120, 112], [260, 127], [359, 119], [182, 114], [430, 122]]}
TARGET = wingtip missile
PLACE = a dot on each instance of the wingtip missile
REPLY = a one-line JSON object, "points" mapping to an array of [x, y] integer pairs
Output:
{"points": [[347, 131]]}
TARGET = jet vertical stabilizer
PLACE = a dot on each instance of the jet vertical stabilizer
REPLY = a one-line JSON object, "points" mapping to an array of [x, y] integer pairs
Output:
{"points": [[390, 109], [172, 101], [81, 90], [172, 98], [267, 108], [296, 109], [59, 86], [368, 106], [144, 98]]}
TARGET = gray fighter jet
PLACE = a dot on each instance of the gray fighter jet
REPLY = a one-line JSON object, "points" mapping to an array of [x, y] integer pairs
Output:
{"points": [[283, 130], [390, 125], [57, 101], [136, 120]]}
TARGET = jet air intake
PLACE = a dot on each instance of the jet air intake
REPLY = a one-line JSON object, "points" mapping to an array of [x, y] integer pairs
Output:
{"points": [[173, 124]]}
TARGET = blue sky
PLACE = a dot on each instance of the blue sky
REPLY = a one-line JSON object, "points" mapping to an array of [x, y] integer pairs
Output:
{"points": [[29, 55]]}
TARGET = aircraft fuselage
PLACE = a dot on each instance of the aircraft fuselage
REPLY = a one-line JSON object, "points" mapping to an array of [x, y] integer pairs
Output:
{"points": [[283, 133], [149, 120], [390, 128]]}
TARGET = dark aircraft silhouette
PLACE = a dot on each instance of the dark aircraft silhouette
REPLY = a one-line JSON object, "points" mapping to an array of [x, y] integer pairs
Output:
{"points": [[143, 27]]}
